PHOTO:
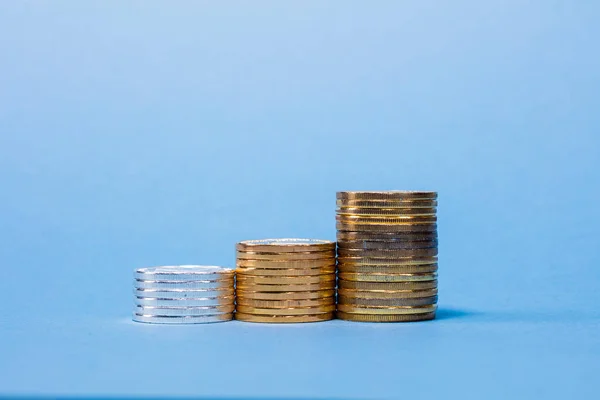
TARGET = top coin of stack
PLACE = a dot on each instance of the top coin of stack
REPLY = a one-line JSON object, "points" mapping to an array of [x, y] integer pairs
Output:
{"points": [[387, 256], [184, 294], [285, 280]]}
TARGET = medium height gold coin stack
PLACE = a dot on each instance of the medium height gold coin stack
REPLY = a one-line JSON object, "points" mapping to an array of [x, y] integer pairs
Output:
{"points": [[387, 256], [285, 280]]}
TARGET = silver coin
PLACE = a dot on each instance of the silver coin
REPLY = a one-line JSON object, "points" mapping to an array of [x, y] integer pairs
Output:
{"points": [[196, 319], [183, 293], [183, 311], [184, 273], [147, 284], [183, 301]]}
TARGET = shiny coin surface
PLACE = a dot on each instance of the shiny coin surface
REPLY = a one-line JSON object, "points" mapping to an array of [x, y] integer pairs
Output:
{"points": [[386, 195], [350, 276], [387, 294], [285, 245], [380, 220], [430, 227], [183, 301], [283, 319], [380, 245], [361, 302], [146, 284], [402, 204], [327, 285], [330, 269], [184, 311], [183, 293], [343, 284], [387, 261], [401, 237], [184, 273], [196, 319], [386, 212], [385, 318], [386, 310], [283, 264], [295, 256], [297, 295], [286, 311], [283, 280], [287, 303], [388, 253], [387, 269]]}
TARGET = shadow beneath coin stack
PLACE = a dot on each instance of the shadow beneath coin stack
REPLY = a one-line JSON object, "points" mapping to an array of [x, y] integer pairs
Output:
{"points": [[455, 313]]}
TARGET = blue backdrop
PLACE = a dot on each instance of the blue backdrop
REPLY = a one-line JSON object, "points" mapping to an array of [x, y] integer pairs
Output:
{"points": [[145, 133]]}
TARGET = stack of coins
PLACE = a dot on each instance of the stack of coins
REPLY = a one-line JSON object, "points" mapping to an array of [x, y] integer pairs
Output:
{"points": [[187, 294], [285, 280], [387, 256]]}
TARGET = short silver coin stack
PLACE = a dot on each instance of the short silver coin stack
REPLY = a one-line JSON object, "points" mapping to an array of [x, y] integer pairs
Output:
{"points": [[185, 294]]}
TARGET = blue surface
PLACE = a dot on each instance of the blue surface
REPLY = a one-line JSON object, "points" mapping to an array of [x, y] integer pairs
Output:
{"points": [[151, 133]]}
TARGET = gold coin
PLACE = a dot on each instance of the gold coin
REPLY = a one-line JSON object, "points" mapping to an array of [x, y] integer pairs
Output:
{"points": [[283, 319], [283, 280], [408, 203], [285, 245], [402, 237], [286, 272], [391, 253], [429, 227], [386, 212], [398, 261], [287, 303], [386, 195], [327, 285], [343, 284], [388, 269], [297, 256], [386, 310], [389, 245], [286, 311], [378, 220], [300, 264], [359, 302], [315, 294], [385, 318], [349, 276], [387, 294]]}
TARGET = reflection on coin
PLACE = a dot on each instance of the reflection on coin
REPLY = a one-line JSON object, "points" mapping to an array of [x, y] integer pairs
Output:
{"points": [[360, 302], [330, 269], [388, 212], [385, 318], [380, 220], [297, 295], [402, 204], [391, 253], [402, 237], [379, 245], [386, 310], [388, 269], [183, 293], [184, 311], [287, 303], [398, 261], [283, 280], [407, 227], [285, 288], [387, 294], [184, 273], [282, 319], [386, 195], [286, 311], [343, 284], [296, 256], [285, 245], [145, 284], [283, 264], [183, 301], [195, 319], [349, 276]]}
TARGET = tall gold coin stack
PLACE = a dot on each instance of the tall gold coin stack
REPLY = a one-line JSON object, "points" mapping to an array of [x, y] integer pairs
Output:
{"points": [[285, 280], [387, 256]]}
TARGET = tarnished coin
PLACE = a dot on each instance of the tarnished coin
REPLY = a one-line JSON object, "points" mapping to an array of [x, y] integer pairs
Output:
{"points": [[385, 310], [406, 203], [386, 195], [388, 253], [380, 245], [430, 227], [326, 285], [361, 302], [285, 245], [343, 284], [388, 269], [349, 276], [387, 294], [184, 311], [330, 269], [287, 311], [387, 261], [146, 284], [183, 301], [283, 280], [184, 273], [295, 256], [191, 319], [287, 303], [282, 264], [385, 318], [183, 293], [386, 212], [283, 319], [297, 295], [400, 237]]}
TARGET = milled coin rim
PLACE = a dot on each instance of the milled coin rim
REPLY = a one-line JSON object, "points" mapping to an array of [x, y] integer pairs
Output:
{"points": [[285, 245], [195, 319], [283, 319]]}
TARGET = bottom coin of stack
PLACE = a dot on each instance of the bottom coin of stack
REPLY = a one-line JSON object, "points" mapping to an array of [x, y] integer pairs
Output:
{"points": [[285, 280], [187, 294]]}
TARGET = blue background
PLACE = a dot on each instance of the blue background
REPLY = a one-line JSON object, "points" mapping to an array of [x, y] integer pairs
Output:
{"points": [[147, 133]]}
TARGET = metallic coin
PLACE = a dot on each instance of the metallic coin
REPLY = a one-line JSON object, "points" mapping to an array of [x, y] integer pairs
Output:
{"points": [[195, 319], [287, 303], [429, 227], [343, 284], [297, 295], [283, 319], [380, 245], [386, 195], [285, 245], [387, 269], [184, 273], [384, 219], [360, 302], [385, 318], [286, 272], [386, 310], [385, 212], [183, 301], [401, 237], [300, 264], [286, 311], [283, 280], [145, 284], [387, 294], [327, 285], [349, 276], [296, 256], [184, 311], [387, 261], [407, 203], [391, 253], [183, 293]]}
